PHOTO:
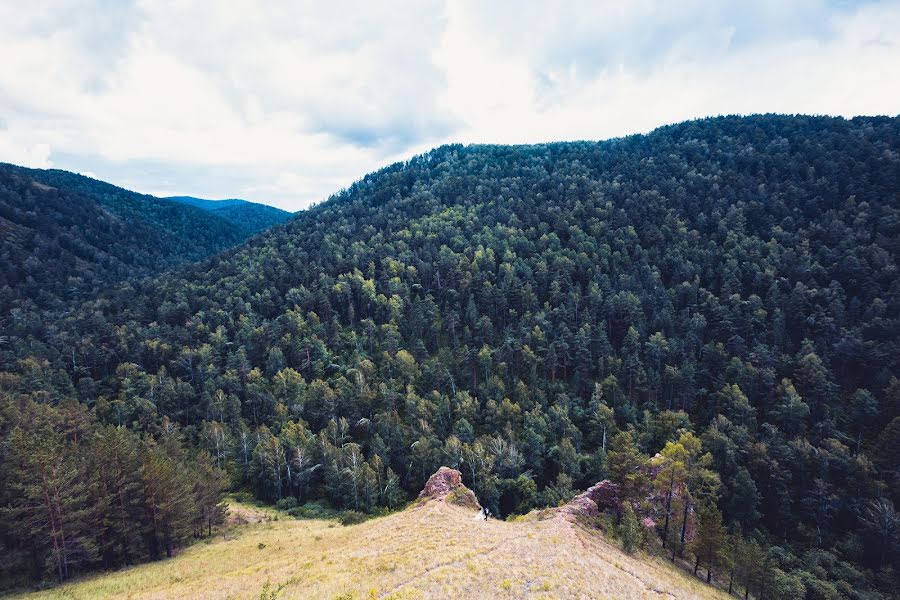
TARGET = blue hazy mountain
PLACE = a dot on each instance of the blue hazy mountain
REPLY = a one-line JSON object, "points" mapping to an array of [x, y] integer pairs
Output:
{"points": [[250, 216]]}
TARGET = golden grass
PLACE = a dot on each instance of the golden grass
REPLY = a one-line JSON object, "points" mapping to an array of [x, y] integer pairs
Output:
{"points": [[434, 550]]}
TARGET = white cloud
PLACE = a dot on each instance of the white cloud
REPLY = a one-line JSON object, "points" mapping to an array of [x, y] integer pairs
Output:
{"points": [[609, 71], [286, 103]]}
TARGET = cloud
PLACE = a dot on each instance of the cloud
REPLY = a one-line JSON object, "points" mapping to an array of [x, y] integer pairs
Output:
{"points": [[288, 102], [607, 70]]}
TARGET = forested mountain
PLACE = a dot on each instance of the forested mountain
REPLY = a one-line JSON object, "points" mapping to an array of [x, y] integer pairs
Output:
{"points": [[64, 234], [250, 216], [205, 204], [716, 301]]}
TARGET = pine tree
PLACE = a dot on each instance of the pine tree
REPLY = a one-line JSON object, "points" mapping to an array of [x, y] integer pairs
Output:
{"points": [[750, 565], [209, 483], [629, 529], [167, 495], [708, 545], [116, 494], [671, 477], [701, 482], [51, 500], [627, 468]]}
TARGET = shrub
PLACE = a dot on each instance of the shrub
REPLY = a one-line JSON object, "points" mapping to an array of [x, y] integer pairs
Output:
{"points": [[311, 510], [286, 503], [352, 517], [606, 522]]}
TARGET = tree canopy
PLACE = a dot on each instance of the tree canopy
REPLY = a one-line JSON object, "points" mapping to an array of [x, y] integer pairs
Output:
{"points": [[543, 317]]}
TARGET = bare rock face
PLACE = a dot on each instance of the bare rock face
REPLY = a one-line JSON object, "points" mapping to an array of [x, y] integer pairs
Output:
{"points": [[446, 486], [599, 497], [440, 484]]}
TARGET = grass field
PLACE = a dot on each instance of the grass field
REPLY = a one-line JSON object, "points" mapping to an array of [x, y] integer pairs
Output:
{"points": [[433, 550]]}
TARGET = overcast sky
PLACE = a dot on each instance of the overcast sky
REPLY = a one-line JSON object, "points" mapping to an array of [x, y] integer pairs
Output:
{"points": [[287, 102]]}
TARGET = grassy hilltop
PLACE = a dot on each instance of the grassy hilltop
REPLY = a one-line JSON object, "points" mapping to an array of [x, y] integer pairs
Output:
{"points": [[433, 549]]}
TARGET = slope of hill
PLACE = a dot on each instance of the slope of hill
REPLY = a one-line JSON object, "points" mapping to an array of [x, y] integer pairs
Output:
{"points": [[189, 233], [723, 293], [250, 216], [432, 550], [65, 233], [206, 204]]}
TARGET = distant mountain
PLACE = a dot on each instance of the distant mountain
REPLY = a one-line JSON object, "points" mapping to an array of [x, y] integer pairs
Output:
{"points": [[205, 204], [251, 216], [64, 233]]}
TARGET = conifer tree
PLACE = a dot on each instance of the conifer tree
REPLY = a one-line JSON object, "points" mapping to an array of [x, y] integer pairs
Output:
{"points": [[627, 468]]}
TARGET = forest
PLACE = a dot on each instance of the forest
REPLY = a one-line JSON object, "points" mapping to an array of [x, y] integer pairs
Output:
{"points": [[65, 234], [249, 216], [708, 314]]}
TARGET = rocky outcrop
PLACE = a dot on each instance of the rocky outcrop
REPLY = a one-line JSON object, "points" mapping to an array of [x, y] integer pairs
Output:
{"points": [[446, 486], [599, 497]]}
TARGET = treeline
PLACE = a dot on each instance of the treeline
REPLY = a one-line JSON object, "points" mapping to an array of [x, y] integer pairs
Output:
{"points": [[510, 311], [77, 495]]}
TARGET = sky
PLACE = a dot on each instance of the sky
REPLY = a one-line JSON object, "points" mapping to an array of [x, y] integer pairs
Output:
{"points": [[287, 102]]}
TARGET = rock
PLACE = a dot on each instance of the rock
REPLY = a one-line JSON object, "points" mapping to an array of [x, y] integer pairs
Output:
{"points": [[582, 506], [605, 494], [440, 484], [599, 497], [446, 486]]}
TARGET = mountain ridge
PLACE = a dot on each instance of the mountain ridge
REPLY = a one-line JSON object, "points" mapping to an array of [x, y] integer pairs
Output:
{"points": [[207, 204], [119, 235], [251, 216]]}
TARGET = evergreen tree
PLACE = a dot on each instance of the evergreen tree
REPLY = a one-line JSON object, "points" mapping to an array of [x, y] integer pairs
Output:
{"points": [[627, 468], [629, 529], [708, 546]]}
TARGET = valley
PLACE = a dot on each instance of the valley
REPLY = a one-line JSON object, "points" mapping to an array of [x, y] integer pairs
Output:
{"points": [[706, 316]]}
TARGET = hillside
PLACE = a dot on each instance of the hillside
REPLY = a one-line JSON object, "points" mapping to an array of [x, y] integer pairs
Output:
{"points": [[431, 550], [189, 233], [250, 216], [205, 204], [64, 234], [716, 301]]}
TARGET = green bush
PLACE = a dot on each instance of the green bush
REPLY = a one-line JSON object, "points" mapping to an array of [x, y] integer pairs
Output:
{"points": [[311, 510], [286, 503], [244, 497], [352, 517], [606, 522]]}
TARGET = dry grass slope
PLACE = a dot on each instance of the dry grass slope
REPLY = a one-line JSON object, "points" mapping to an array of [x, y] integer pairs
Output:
{"points": [[433, 550]]}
